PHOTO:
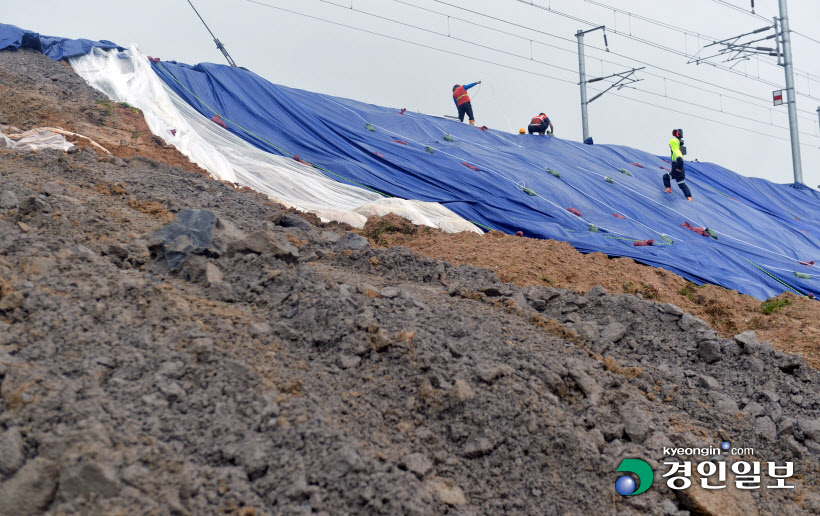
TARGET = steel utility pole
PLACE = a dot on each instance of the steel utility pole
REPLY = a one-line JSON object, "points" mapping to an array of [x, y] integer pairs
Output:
{"points": [[733, 49], [583, 76], [791, 98], [624, 78]]}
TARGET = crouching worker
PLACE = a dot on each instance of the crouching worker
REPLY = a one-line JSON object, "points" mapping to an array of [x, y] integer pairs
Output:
{"points": [[462, 101], [540, 124], [677, 172]]}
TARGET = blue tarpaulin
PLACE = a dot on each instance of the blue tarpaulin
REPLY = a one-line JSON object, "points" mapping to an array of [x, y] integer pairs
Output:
{"points": [[13, 38], [763, 230], [502, 182]]}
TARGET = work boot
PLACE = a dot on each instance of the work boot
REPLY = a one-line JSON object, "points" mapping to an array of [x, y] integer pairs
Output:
{"points": [[668, 190], [688, 198], [472, 122]]}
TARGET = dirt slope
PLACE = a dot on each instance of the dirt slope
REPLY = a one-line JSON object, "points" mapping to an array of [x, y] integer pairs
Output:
{"points": [[792, 323], [171, 345], [36, 93]]}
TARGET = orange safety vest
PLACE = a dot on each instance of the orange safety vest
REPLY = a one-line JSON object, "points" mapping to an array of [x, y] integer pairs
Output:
{"points": [[461, 96], [538, 120]]}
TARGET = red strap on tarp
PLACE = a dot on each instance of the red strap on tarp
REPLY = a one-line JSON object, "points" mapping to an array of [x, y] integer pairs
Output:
{"points": [[468, 165], [379, 154], [618, 216], [666, 169], [218, 121], [153, 59], [637, 165], [402, 111], [400, 141], [174, 132], [574, 212], [810, 264], [484, 128], [641, 243], [699, 231], [300, 160]]}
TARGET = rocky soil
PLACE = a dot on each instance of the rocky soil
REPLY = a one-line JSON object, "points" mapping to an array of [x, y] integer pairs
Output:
{"points": [[171, 345], [790, 322]]}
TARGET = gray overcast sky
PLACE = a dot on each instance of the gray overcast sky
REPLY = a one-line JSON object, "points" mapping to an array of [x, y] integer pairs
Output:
{"points": [[315, 55]]}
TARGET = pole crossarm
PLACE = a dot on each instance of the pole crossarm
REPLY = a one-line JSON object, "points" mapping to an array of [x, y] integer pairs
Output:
{"points": [[737, 49], [625, 79]]}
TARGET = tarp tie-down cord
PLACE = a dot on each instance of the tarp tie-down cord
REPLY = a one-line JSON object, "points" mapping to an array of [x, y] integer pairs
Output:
{"points": [[567, 142], [560, 208], [776, 278], [465, 160], [608, 206], [226, 120], [462, 160]]}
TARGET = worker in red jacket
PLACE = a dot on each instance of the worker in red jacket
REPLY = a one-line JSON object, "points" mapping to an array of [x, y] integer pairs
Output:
{"points": [[462, 101], [540, 123]]}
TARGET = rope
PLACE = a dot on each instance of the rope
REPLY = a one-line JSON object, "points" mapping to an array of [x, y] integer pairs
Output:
{"points": [[774, 277]]}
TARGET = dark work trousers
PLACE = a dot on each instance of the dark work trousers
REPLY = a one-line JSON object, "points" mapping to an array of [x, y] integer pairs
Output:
{"points": [[466, 108], [538, 128], [679, 176]]}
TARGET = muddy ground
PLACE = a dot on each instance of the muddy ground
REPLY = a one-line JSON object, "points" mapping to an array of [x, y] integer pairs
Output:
{"points": [[171, 345]]}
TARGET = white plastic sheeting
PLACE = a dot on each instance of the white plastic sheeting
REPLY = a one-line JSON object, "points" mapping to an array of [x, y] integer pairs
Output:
{"points": [[128, 77], [35, 139]]}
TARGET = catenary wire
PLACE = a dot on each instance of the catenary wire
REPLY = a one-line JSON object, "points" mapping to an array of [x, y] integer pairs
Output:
{"points": [[667, 78], [661, 47], [498, 64]]}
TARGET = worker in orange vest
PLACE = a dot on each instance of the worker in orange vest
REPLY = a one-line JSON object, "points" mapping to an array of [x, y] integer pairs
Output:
{"points": [[540, 123], [462, 101]]}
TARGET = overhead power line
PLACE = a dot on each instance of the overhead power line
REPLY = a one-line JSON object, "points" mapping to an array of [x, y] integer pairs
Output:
{"points": [[742, 10], [512, 54], [654, 45], [668, 78], [257, 2], [804, 36], [438, 49]]}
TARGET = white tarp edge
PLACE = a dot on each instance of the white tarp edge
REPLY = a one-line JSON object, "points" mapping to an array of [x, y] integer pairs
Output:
{"points": [[128, 77]]}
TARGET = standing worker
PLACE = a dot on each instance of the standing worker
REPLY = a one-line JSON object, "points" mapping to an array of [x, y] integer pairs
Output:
{"points": [[540, 123], [462, 101], [677, 172]]}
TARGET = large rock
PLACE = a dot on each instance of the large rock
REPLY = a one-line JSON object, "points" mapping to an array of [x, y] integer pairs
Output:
{"points": [[717, 502], [417, 464], [197, 232], [8, 200], [709, 351], [291, 220], [267, 243], [30, 490], [613, 332], [11, 451], [636, 423], [446, 492], [87, 479], [748, 341]]}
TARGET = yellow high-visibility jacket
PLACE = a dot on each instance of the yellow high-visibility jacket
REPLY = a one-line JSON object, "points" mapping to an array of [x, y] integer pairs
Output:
{"points": [[674, 144]]}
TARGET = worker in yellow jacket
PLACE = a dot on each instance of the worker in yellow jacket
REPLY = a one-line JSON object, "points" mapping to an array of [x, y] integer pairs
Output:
{"points": [[677, 172]]}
